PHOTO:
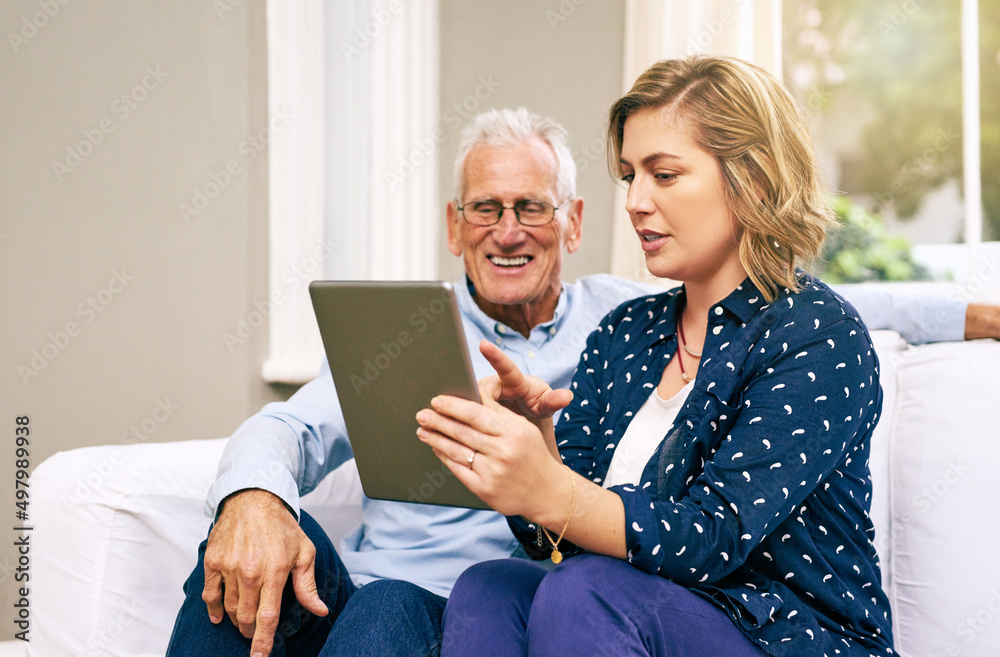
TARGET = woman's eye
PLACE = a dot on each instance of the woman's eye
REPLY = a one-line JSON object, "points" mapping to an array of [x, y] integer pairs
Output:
{"points": [[627, 178]]}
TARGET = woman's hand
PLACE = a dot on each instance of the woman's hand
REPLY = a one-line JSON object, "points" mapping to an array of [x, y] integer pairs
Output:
{"points": [[528, 396], [510, 462], [509, 437], [508, 458]]}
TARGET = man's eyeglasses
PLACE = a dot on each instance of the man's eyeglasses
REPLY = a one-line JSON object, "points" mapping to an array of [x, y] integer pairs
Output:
{"points": [[528, 213]]}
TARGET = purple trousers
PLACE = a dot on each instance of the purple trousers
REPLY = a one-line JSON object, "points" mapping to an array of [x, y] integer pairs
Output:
{"points": [[588, 605]]}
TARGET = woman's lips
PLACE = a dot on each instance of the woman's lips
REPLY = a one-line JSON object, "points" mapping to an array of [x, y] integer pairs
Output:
{"points": [[652, 241]]}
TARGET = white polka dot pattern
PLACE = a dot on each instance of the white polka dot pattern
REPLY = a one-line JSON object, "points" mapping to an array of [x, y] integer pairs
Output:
{"points": [[759, 497]]}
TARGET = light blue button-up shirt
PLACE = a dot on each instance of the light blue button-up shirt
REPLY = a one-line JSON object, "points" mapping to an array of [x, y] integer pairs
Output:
{"points": [[288, 447]]}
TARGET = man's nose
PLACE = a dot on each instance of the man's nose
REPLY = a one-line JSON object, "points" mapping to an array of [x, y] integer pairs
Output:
{"points": [[508, 229]]}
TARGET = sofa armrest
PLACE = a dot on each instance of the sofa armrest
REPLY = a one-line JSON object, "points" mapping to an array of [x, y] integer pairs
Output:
{"points": [[943, 460], [117, 530]]}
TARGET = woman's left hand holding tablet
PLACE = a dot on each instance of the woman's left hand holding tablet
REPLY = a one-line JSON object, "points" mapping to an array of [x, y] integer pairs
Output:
{"points": [[513, 454]]}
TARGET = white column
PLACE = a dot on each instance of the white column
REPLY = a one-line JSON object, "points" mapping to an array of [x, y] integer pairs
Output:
{"points": [[384, 219], [404, 221], [971, 164], [295, 184]]}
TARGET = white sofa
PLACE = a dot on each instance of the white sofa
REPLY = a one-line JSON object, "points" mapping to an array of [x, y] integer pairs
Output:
{"points": [[117, 527]]}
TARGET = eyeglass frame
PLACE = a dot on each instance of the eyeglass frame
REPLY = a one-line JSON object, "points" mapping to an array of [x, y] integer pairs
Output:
{"points": [[503, 208]]}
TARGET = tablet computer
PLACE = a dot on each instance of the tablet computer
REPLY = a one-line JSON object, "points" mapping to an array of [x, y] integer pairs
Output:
{"points": [[392, 347]]}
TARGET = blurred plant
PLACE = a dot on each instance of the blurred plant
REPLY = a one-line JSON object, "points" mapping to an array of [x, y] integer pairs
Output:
{"points": [[897, 66], [861, 249]]}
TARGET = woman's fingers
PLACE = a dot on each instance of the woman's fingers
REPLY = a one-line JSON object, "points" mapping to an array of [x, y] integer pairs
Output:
{"points": [[512, 381], [468, 413], [554, 401], [528, 395], [500, 362], [490, 390], [445, 448], [456, 436]]}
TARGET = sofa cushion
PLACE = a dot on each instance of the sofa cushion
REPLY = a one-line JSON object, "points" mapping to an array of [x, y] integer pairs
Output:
{"points": [[943, 454], [888, 347], [111, 521]]}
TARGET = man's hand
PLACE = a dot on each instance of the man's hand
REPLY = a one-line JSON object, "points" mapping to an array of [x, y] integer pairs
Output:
{"points": [[982, 321], [255, 544]]}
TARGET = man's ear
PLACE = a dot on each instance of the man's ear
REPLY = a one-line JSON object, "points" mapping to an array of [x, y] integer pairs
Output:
{"points": [[454, 229], [574, 225]]}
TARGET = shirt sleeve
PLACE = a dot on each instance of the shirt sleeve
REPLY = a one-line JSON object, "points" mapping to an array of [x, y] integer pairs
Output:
{"points": [[287, 448], [797, 422], [918, 318]]}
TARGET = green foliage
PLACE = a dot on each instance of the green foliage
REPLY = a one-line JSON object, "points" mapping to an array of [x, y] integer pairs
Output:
{"points": [[898, 63], [862, 250]]}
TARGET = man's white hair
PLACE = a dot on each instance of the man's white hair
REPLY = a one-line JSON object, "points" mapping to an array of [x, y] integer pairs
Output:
{"points": [[510, 127]]}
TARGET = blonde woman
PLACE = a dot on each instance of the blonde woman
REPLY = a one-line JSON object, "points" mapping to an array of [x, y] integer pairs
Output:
{"points": [[706, 490]]}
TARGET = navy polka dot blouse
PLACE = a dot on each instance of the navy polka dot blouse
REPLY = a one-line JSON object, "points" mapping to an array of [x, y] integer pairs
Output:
{"points": [[758, 497]]}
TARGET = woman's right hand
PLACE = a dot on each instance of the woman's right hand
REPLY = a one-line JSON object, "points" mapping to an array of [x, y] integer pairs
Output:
{"points": [[528, 396]]}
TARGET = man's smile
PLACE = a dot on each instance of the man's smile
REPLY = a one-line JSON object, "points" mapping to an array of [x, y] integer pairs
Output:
{"points": [[514, 261]]}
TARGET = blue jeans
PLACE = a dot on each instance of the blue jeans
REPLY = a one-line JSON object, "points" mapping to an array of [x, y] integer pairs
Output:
{"points": [[588, 605], [384, 618]]}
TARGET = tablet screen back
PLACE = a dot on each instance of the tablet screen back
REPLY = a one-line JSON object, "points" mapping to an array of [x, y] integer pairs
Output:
{"points": [[392, 347]]}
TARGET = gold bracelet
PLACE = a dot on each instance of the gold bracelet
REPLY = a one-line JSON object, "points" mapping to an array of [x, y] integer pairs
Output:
{"points": [[556, 554]]}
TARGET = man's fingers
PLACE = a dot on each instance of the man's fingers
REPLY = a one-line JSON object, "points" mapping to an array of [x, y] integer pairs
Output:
{"points": [[231, 600], [266, 622], [212, 595], [246, 610], [304, 580]]}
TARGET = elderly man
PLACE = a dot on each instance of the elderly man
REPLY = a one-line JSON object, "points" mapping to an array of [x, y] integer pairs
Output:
{"points": [[267, 565]]}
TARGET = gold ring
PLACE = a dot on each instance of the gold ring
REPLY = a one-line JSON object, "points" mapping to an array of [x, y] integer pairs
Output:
{"points": [[470, 458]]}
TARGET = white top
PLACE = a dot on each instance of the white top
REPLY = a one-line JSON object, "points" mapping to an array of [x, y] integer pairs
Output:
{"points": [[643, 437]]}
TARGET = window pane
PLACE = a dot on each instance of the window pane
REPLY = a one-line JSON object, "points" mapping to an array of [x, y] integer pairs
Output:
{"points": [[882, 84]]}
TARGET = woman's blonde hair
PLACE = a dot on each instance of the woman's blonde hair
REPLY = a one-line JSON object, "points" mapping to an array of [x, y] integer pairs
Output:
{"points": [[744, 116]]}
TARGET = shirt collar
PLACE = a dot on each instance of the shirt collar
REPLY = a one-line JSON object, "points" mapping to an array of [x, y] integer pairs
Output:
{"points": [[466, 295], [744, 301]]}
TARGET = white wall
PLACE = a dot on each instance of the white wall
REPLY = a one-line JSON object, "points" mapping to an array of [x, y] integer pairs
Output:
{"points": [[115, 307]]}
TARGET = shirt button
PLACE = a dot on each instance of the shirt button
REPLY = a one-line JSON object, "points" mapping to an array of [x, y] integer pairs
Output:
{"points": [[499, 342], [552, 330], [501, 329], [531, 355], [718, 310]]}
